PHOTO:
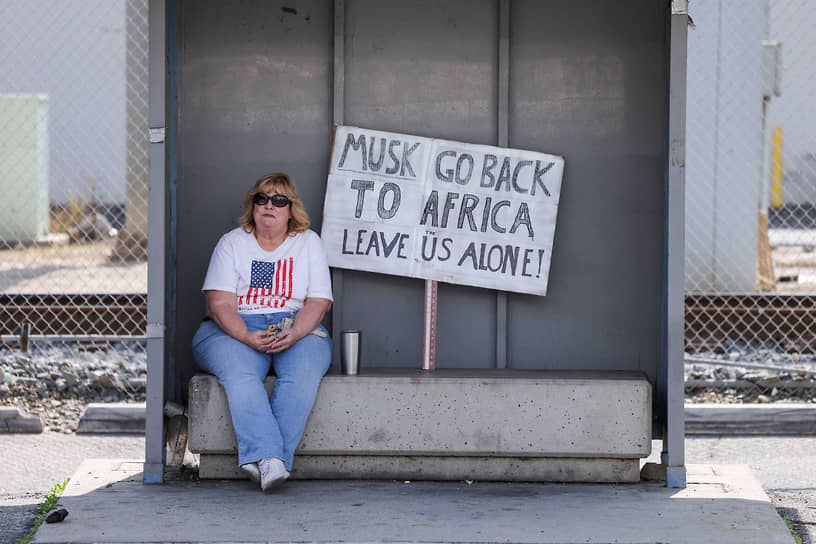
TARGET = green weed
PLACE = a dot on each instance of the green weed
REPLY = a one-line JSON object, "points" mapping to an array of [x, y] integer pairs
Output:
{"points": [[50, 503], [796, 538]]}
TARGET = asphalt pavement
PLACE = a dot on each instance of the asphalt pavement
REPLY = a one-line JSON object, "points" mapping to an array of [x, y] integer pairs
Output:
{"points": [[33, 463], [784, 466]]}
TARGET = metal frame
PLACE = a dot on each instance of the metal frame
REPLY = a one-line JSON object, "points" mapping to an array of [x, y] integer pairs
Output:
{"points": [[673, 455], [503, 141], [429, 337], [154, 419], [23, 338], [173, 382], [338, 114], [162, 15]]}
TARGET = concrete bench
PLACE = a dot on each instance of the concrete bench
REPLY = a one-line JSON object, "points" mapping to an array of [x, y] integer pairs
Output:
{"points": [[452, 425]]}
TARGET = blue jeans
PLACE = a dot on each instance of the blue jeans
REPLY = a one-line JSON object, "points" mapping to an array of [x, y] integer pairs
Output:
{"points": [[264, 427]]}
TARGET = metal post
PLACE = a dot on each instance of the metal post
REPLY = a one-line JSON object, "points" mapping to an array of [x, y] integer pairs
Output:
{"points": [[764, 180], [154, 418], [674, 435], [338, 76], [429, 345], [25, 335], [776, 168]]}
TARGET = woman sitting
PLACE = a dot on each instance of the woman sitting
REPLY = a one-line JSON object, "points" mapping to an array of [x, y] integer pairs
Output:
{"points": [[266, 291]]}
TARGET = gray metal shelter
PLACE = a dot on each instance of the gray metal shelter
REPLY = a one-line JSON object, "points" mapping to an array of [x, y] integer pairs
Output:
{"points": [[241, 89]]}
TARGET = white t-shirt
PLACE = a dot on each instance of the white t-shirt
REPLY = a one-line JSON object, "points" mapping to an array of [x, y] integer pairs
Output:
{"points": [[269, 281]]}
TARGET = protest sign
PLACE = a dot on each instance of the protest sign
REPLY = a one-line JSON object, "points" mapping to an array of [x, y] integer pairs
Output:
{"points": [[441, 210]]}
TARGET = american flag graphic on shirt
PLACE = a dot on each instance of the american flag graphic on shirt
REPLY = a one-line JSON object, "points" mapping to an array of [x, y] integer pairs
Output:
{"points": [[270, 283]]}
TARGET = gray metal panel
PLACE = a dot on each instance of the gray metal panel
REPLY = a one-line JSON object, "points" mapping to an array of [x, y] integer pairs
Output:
{"points": [[588, 81], [255, 97], [428, 68], [672, 388], [154, 419], [338, 88]]}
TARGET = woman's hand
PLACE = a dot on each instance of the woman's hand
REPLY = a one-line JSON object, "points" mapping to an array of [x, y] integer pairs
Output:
{"points": [[265, 343], [259, 341], [222, 307], [283, 340]]}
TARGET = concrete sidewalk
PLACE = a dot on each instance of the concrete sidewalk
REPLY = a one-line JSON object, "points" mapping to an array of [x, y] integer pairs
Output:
{"points": [[108, 503]]}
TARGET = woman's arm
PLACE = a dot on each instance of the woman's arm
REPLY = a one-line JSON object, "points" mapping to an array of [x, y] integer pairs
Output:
{"points": [[306, 320], [222, 307]]}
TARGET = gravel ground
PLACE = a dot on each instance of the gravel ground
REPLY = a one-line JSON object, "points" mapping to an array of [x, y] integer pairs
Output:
{"points": [[742, 373], [57, 381]]}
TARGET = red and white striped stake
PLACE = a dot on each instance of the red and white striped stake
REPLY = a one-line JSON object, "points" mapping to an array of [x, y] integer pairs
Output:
{"points": [[429, 351]]}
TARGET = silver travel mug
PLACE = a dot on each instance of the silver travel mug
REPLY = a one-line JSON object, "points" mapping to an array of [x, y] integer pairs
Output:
{"points": [[350, 352]]}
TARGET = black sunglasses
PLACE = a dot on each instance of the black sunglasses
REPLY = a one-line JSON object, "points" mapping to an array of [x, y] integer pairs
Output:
{"points": [[279, 201]]}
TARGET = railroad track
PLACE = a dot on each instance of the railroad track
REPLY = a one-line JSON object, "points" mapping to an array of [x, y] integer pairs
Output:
{"points": [[709, 318], [788, 320], [72, 314]]}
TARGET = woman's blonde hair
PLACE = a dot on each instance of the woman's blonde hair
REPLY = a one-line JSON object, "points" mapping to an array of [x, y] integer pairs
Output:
{"points": [[281, 184]]}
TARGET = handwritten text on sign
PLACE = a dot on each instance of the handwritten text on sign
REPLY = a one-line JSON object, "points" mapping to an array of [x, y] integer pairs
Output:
{"points": [[441, 210]]}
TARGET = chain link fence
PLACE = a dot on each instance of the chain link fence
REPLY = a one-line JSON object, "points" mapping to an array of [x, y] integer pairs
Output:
{"points": [[750, 193], [73, 172], [73, 211]]}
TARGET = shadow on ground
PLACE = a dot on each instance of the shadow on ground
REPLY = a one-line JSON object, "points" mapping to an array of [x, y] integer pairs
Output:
{"points": [[108, 502], [16, 518]]}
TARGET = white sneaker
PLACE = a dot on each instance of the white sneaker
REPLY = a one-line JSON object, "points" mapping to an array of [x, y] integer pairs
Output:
{"points": [[252, 471], [273, 473]]}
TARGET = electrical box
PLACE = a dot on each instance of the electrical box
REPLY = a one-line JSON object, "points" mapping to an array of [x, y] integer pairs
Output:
{"points": [[771, 68], [24, 167]]}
